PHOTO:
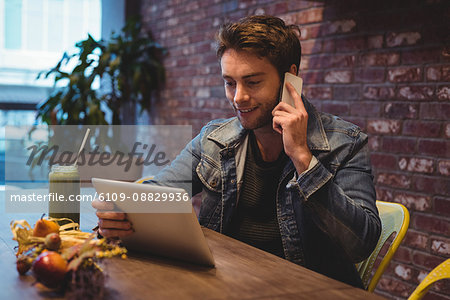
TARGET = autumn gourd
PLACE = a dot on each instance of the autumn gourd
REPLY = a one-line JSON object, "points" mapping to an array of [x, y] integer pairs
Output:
{"points": [[44, 227]]}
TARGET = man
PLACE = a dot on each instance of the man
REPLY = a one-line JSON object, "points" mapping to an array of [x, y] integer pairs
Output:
{"points": [[289, 180]]}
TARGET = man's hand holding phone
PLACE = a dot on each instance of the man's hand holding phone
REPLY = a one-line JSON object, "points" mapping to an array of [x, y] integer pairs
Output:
{"points": [[290, 119]]}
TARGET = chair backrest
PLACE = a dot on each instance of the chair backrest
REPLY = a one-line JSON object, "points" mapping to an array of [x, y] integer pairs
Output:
{"points": [[141, 180], [394, 219], [442, 271]]}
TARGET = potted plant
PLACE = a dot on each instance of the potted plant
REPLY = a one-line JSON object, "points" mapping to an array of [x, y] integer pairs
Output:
{"points": [[130, 68]]}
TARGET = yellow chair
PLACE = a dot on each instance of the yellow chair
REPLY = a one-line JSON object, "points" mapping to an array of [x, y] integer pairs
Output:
{"points": [[394, 219], [442, 271], [144, 179]]}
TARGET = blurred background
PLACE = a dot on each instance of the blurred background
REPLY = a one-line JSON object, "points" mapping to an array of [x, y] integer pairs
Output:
{"points": [[384, 65]]}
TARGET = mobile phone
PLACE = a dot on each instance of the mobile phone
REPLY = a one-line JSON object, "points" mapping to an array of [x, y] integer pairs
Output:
{"points": [[296, 82]]}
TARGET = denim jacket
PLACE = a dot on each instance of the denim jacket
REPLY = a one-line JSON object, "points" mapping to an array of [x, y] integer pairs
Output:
{"points": [[327, 216]]}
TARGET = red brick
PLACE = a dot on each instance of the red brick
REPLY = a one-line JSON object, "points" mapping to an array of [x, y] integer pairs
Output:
{"points": [[439, 148], [435, 111], [304, 64], [444, 167], [432, 295], [317, 61], [167, 13], [380, 59], [290, 18], [299, 5], [350, 44], [183, 40], [402, 39], [431, 184], [443, 93], [431, 223], [442, 206], [440, 246], [424, 260], [311, 47], [279, 8], [415, 164], [341, 61], [310, 16], [365, 109], [360, 122], [394, 180], [328, 46], [202, 93], [404, 74], [335, 108], [172, 21], [394, 287], [399, 144], [434, 73], [375, 42], [401, 110], [312, 77], [338, 76], [403, 254], [384, 194], [347, 92], [383, 161], [445, 73], [404, 272], [317, 92], [309, 31], [421, 128], [206, 59], [420, 56], [371, 75], [414, 201], [384, 126], [374, 143], [447, 130], [340, 26], [416, 239], [416, 92], [378, 93]]}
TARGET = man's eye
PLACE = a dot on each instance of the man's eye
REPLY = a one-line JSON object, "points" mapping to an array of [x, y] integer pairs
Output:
{"points": [[229, 83], [252, 83]]}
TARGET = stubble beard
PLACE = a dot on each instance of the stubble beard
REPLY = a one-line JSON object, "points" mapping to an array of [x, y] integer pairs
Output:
{"points": [[265, 119]]}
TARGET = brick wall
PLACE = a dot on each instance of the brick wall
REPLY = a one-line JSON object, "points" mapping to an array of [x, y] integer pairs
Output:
{"points": [[384, 65]]}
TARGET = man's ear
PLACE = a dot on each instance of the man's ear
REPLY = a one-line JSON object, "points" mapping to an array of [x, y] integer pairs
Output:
{"points": [[293, 70]]}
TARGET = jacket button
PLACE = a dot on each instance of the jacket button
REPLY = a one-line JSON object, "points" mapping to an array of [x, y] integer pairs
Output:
{"points": [[230, 153], [213, 183]]}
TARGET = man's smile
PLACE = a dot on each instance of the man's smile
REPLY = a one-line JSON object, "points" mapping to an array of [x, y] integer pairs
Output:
{"points": [[246, 110]]}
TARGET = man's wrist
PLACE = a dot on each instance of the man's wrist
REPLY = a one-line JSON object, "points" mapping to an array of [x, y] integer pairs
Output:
{"points": [[312, 164], [303, 162]]}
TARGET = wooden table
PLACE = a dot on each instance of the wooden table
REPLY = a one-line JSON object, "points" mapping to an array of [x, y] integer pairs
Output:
{"points": [[241, 272]]}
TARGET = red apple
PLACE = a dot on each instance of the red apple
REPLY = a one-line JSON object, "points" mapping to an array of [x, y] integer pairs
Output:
{"points": [[49, 268]]}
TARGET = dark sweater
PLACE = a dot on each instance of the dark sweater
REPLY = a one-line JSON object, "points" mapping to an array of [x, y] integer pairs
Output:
{"points": [[255, 219]]}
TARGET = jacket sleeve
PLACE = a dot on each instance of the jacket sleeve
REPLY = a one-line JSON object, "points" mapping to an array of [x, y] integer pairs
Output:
{"points": [[181, 171], [343, 202]]}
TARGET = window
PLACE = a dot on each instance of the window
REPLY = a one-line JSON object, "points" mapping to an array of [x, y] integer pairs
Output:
{"points": [[35, 34]]}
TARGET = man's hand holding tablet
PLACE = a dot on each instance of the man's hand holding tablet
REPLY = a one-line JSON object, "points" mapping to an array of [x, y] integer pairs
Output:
{"points": [[111, 223]]}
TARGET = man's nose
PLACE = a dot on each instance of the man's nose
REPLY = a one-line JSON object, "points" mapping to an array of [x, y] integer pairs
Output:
{"points": [[240, 95]]}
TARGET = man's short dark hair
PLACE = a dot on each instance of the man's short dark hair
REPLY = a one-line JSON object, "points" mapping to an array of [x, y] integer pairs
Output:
{"points": [[265, 36]]}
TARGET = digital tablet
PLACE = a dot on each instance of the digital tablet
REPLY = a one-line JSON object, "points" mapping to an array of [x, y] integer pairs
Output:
{"points": [[160, 228]]}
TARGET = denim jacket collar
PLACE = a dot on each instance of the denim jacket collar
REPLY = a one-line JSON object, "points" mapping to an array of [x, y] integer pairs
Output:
{"points": [[229, 133]]}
